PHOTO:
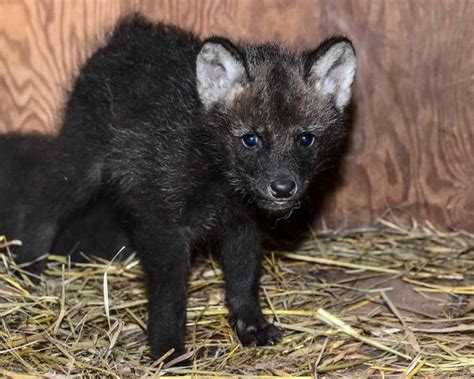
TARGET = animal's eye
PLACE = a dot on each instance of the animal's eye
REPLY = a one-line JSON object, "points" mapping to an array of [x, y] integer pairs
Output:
{"points": [[250, 140], [305, 139]]}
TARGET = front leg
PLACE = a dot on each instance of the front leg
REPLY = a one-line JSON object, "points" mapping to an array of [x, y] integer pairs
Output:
{"points": [[165, 261], [241, 250]]}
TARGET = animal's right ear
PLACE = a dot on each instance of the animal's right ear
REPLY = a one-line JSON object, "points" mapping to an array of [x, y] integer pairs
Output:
{"points": [[331, 69], [220, 72]]}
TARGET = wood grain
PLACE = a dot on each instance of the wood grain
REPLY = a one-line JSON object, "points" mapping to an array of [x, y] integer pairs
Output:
{"points": [[413, 144]]}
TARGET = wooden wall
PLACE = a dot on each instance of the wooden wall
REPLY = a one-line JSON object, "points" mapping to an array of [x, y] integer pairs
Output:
{"points": [[413, 145]]}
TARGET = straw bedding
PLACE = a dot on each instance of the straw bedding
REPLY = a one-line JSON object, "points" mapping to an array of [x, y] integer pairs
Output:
{"points": [[387, 301]]}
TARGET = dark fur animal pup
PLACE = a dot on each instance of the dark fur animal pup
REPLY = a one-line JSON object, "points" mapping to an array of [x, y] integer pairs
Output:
{"points": [[193, 140]]}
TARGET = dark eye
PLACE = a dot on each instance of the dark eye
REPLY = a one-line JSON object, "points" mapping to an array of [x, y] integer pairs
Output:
{"points": [[305, 139], [250, 140]]}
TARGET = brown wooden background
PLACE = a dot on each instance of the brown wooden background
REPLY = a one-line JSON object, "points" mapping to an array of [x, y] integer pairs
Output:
{"points": [[413, 149]]}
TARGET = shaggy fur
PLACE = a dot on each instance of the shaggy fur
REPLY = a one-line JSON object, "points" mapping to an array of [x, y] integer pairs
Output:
{"points": [[159, 123]]}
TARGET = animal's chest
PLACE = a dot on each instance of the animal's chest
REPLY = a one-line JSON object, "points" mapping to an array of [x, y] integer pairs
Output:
{"points": [[205, 211]]}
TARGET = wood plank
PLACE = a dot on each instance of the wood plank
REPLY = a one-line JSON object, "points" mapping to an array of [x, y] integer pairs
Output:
{"points": [[413, 143]]}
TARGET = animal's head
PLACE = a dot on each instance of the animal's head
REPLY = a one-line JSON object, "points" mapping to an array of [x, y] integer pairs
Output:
{"points": [[280, 116]]}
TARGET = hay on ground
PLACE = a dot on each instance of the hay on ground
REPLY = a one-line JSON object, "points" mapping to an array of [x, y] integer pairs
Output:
{"points": [[378, 302]]}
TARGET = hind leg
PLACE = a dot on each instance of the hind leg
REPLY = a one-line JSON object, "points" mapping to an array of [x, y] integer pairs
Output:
{"points": [[36, 238], [47, 213], [40, 200]]}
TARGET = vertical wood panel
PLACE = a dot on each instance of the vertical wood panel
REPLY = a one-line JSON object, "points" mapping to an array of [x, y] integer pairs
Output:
{"points": [[413, 144]]}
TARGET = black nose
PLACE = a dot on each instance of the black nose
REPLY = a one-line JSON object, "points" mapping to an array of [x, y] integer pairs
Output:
{"points": [[283, 188]]}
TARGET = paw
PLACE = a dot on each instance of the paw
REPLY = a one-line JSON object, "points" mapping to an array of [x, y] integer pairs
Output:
{"points": [[161, 347], [165, 354], [257, 334], [33, 271]]}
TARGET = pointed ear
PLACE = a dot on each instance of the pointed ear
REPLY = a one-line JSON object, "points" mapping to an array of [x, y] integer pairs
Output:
{"points": [[331, 67], [220, 72]]}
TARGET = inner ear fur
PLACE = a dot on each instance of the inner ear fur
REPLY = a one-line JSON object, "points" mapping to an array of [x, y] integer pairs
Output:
{"points": [[331, 68], [221, 71]]}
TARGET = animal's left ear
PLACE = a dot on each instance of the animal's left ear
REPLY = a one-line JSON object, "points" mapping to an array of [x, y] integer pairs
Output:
{"points": [[220, 72], [331, 67]]}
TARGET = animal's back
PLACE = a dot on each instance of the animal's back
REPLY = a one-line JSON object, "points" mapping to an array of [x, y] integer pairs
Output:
{"points": [[133, 103], [143, 74]]}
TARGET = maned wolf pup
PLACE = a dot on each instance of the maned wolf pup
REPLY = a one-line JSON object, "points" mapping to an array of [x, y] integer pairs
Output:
{"points": [[192, 140]]}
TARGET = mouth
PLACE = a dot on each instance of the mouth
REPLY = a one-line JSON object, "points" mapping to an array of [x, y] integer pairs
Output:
{"points": [[277, 205], [280, 202]]}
